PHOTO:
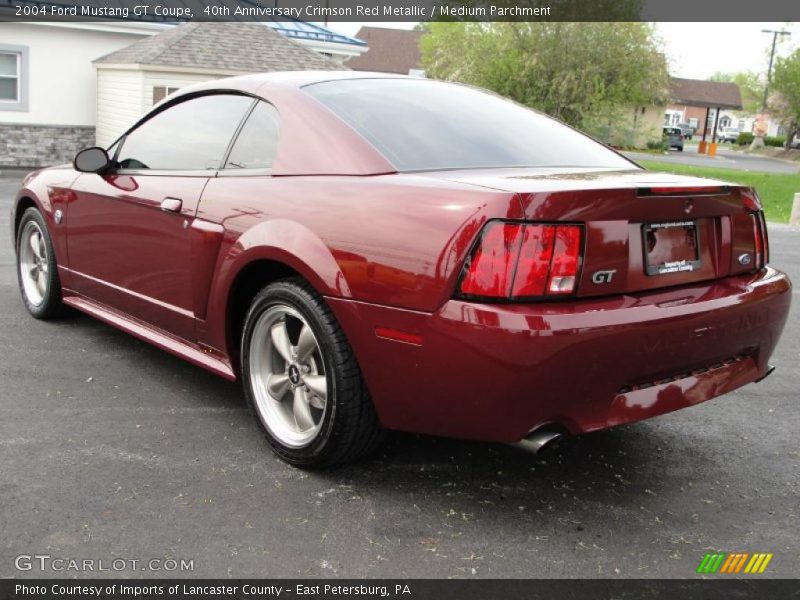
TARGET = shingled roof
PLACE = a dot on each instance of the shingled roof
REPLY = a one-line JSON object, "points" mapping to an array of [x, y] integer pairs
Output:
{"points": [[713, 94], [245, 47], [390, 50]]}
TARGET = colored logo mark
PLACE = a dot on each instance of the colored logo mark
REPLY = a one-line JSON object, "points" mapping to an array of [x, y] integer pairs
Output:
{"points": [[734, 562]]}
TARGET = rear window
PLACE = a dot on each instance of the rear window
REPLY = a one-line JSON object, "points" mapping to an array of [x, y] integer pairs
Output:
{"points": [[419, 124]]}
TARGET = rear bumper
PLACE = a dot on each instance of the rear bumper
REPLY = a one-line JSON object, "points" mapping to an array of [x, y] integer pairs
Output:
{"points": [[496, 372]]}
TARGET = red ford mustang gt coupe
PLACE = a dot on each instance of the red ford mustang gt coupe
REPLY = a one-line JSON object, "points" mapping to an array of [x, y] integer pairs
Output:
{"points": [[370, 252]]}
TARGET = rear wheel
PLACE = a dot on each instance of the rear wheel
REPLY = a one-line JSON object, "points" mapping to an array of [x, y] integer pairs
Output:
{"points": [[37, 272], [302, 380]]}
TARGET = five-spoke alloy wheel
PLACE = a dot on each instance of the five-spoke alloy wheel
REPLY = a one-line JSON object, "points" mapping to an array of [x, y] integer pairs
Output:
{"points": [[302, 380], [288, 376], [36, 267]]}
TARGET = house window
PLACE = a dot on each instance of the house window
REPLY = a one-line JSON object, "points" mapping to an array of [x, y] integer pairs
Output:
{"points": [[13, 77], [9, 77], [693, 123], [162, 91]]}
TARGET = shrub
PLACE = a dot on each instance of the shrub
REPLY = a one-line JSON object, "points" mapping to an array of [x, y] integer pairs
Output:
{"points": [[745, 138], [775, 141], [657, 145]]}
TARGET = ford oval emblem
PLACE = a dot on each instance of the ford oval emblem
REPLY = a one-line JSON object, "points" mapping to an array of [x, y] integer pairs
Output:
{"points": [[744, 259]]}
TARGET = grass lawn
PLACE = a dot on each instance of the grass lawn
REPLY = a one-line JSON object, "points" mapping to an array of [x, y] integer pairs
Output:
{"points": [[775, 189]]}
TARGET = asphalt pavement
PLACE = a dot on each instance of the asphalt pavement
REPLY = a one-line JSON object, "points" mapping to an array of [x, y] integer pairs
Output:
{"points": [[727, 158], [112, 449]]}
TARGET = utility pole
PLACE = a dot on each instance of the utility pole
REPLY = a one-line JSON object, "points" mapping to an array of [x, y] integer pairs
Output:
{"points": [[760, 129], [775, 35]]}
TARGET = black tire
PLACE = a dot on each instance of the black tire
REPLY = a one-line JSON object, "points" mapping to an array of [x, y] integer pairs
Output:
{"points": [[50, 305], [349, 427]]}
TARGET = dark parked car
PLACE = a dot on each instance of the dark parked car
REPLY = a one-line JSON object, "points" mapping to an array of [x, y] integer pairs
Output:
{"points": [[687, 130], [673, 136], [368, 252]]}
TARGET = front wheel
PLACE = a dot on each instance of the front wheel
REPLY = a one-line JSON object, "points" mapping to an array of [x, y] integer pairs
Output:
{"points": [[302, 380], [37, 273]]}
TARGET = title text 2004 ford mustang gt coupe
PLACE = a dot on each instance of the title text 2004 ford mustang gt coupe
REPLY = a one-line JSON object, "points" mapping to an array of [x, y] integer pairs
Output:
{"points": [[370, 252]]}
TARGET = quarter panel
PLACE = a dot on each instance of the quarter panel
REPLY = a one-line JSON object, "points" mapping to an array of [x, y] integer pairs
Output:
{"points": [[395, 240]]}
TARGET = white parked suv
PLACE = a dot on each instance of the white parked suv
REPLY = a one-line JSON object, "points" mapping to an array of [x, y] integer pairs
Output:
{"points": [[728, 134]]}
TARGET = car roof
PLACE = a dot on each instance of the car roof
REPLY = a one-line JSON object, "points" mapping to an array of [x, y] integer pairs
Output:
{"points": [[285, 79], [315, 141]]}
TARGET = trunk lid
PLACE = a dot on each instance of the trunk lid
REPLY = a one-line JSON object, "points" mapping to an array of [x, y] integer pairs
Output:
{"points": [[643, 230]]}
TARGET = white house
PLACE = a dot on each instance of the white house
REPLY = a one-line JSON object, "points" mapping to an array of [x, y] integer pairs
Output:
{"points": [[131, 80], [49, 83], [746, 123]]}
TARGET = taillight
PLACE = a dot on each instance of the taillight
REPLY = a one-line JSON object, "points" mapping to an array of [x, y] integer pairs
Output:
{"points": [[515, 261], [533, 266], [761, 242], [566, 257], [491, 269]]}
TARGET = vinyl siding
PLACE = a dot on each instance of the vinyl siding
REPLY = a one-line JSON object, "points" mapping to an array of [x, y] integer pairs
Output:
{"points": [[119, 102], [124, 95], [167, 79]]}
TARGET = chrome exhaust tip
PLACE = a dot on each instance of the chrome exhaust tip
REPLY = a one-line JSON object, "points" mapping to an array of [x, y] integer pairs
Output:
{"points": [[770, 369], [536, 441]]}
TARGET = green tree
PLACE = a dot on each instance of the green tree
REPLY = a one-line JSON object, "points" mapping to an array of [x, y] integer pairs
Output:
{"points": [[750, 85], [579, 72], [785, 100]]}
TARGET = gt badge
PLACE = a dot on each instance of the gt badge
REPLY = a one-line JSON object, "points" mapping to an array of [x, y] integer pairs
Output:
{"points": [[603, 276]]}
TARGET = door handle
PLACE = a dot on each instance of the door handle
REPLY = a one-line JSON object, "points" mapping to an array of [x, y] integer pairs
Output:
{"points": [[171, 205]]}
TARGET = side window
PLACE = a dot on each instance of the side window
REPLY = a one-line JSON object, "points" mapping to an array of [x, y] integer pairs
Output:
{"points": [[257, 143], [191, 135]]}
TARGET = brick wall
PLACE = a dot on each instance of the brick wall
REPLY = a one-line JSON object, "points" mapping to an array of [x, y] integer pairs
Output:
{"points": [[41, 145]]}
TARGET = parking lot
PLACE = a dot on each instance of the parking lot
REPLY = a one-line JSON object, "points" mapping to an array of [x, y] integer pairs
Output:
{"points": [[114, 449]]}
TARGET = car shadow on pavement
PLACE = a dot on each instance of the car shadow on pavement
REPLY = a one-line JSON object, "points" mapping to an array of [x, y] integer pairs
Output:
{"points": [[165, 369], [627, 467], [638, 467]]}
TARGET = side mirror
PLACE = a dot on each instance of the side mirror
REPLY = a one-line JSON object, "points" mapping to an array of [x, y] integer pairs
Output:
{"points": [[91, 160]]}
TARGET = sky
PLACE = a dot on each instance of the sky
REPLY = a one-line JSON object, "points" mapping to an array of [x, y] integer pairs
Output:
{"points": [[694, 50]]}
